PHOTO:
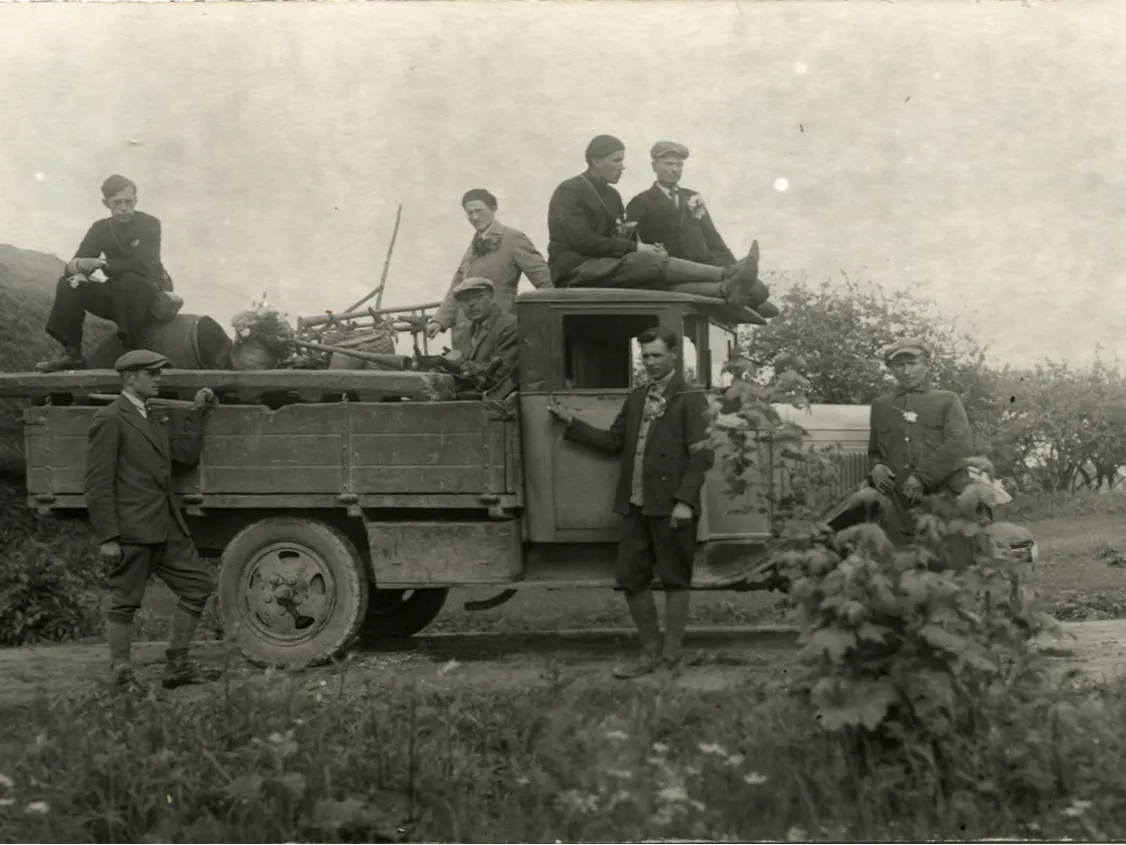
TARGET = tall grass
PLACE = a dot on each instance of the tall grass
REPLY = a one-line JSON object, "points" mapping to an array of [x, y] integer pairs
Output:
{"points": [[355, 761]]}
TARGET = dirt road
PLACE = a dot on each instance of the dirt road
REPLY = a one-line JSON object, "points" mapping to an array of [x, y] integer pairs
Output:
{"points": [[722, 658]]}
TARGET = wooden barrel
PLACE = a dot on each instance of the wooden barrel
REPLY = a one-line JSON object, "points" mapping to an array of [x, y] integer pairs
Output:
{"points": [[378, 338], [188, 341]]}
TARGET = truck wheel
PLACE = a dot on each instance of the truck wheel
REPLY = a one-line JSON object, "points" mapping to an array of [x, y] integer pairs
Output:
{"points": [[291, 591], [394, 614]]}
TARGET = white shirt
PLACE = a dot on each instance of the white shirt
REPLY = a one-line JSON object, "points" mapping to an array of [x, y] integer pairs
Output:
{"points": [[668, 193], [137, 403]]}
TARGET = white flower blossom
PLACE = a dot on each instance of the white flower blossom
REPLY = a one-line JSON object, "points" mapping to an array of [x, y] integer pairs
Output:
{"points": [[38, 808], [676, 792], [713, 748], [910, 416], [6, 782], [621, 736], [754, 778]]}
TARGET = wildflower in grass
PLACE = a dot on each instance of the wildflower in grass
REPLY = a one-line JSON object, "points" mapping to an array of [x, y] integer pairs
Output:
{"points": [[735, 760], [448, 666], [660, 748], [621, 774], [754, 778], [37, 808], [1078, 807], [620, 736], [713, 748], [6, 782], [673, 793]]}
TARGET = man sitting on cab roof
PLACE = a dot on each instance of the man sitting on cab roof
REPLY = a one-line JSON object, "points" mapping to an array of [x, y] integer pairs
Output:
{"points": [[591, 244], [483, 359]]}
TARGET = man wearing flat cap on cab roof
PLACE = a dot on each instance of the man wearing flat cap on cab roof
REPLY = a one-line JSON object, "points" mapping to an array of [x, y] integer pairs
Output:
{"points": [[591, 244], [918, 437], [136, 519], [485, 349]]}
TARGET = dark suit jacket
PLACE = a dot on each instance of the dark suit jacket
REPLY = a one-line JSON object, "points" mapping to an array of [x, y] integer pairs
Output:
{"points": [[661, 222], [498, 341], [514, 255], [931, 448], [582, 221], [129, 472], [678, 452], [130, 248]]}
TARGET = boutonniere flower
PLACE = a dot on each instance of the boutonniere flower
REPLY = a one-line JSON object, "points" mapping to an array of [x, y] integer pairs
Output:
{"points": [[655, 405], [136, 243], [162, 419], [488, 243], [910, 416], [696, 206]]}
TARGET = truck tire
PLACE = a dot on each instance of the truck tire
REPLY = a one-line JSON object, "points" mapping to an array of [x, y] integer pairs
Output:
{"points": [[291, 592], [396, 614]]}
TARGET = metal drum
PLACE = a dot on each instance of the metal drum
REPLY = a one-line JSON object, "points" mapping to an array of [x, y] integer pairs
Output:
{"points": [[188, 341]]}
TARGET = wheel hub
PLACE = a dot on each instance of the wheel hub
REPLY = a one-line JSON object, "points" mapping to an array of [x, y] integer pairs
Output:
{"points": [[289, 592]]}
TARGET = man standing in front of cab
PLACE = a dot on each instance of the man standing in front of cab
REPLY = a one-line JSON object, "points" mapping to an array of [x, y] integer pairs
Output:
{"points": [[139, 528], [591, 244], [918, 437], [125, 247], [498, 253], [662, 435]]}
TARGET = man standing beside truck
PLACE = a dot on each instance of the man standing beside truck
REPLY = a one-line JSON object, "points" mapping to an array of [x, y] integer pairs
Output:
{"points": [[919, 438], [137, 522], [591, 244], [116, 274], [662, 435]]}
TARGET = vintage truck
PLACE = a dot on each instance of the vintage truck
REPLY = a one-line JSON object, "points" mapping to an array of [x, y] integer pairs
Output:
{"points": [[347, 503]]}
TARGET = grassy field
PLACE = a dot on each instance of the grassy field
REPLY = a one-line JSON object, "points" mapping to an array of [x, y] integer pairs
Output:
{"points": [[386, 748]]}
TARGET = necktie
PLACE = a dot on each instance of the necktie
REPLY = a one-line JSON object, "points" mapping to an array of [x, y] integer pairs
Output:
{"points": [[674, 196]]}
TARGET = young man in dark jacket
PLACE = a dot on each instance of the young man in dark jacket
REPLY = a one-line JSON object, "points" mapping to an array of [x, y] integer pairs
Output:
{"points": [[590, 243], [662, 436], [116, 274]]}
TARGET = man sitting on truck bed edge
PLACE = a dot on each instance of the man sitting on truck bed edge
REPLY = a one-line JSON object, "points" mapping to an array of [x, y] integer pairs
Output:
{"points": [[135, 287], [486, 346], [662, 435], [590, 244], [139, 528]]}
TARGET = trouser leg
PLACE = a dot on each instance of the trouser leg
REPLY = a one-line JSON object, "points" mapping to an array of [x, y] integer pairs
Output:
{"points": [[127, 589], [190, 579], [68, 315], [675, 556], [133, 297], [634, 574]]}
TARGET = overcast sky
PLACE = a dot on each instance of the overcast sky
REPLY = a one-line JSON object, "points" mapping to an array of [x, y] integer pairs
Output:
{"points": [[971, 151]]}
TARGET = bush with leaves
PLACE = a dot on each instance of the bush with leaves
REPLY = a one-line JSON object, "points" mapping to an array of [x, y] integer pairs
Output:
{"points": [[900, 642], [44, 597]]}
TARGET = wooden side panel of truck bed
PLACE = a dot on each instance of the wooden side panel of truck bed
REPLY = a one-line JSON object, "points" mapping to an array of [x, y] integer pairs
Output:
{"points": [[386, 450]]}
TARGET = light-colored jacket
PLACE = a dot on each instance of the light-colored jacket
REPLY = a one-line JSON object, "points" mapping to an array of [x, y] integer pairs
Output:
{"points": [[512, 254]]}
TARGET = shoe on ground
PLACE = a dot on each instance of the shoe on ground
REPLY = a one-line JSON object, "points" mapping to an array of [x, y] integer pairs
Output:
{"points": [[125, 682], [646, 664], [182, 673]]}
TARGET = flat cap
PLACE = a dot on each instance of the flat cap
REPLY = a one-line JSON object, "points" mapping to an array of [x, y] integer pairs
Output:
{"points": [[668, 148], [473, 283], [912, 345], [140, 359]]}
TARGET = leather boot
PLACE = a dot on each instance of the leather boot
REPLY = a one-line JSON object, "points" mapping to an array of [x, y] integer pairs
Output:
{"points": [[744, 287], [165, 306], [71, 360], [119, 636], [676, 621], [643, 609], [179, 671]]}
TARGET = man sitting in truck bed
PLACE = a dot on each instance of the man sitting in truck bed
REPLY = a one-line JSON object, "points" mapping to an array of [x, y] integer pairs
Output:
{"points": [[591, 245], [483, 360], [135, 287]]}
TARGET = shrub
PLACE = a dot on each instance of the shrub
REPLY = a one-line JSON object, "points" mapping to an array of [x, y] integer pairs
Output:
{"points": [[44, 596], [908, 648]]}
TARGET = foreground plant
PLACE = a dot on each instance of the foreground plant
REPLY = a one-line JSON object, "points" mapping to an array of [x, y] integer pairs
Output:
{"points": [[902, 645]]}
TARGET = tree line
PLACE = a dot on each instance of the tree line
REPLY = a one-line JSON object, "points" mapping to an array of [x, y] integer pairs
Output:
{"points": [[1049, 427]]}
